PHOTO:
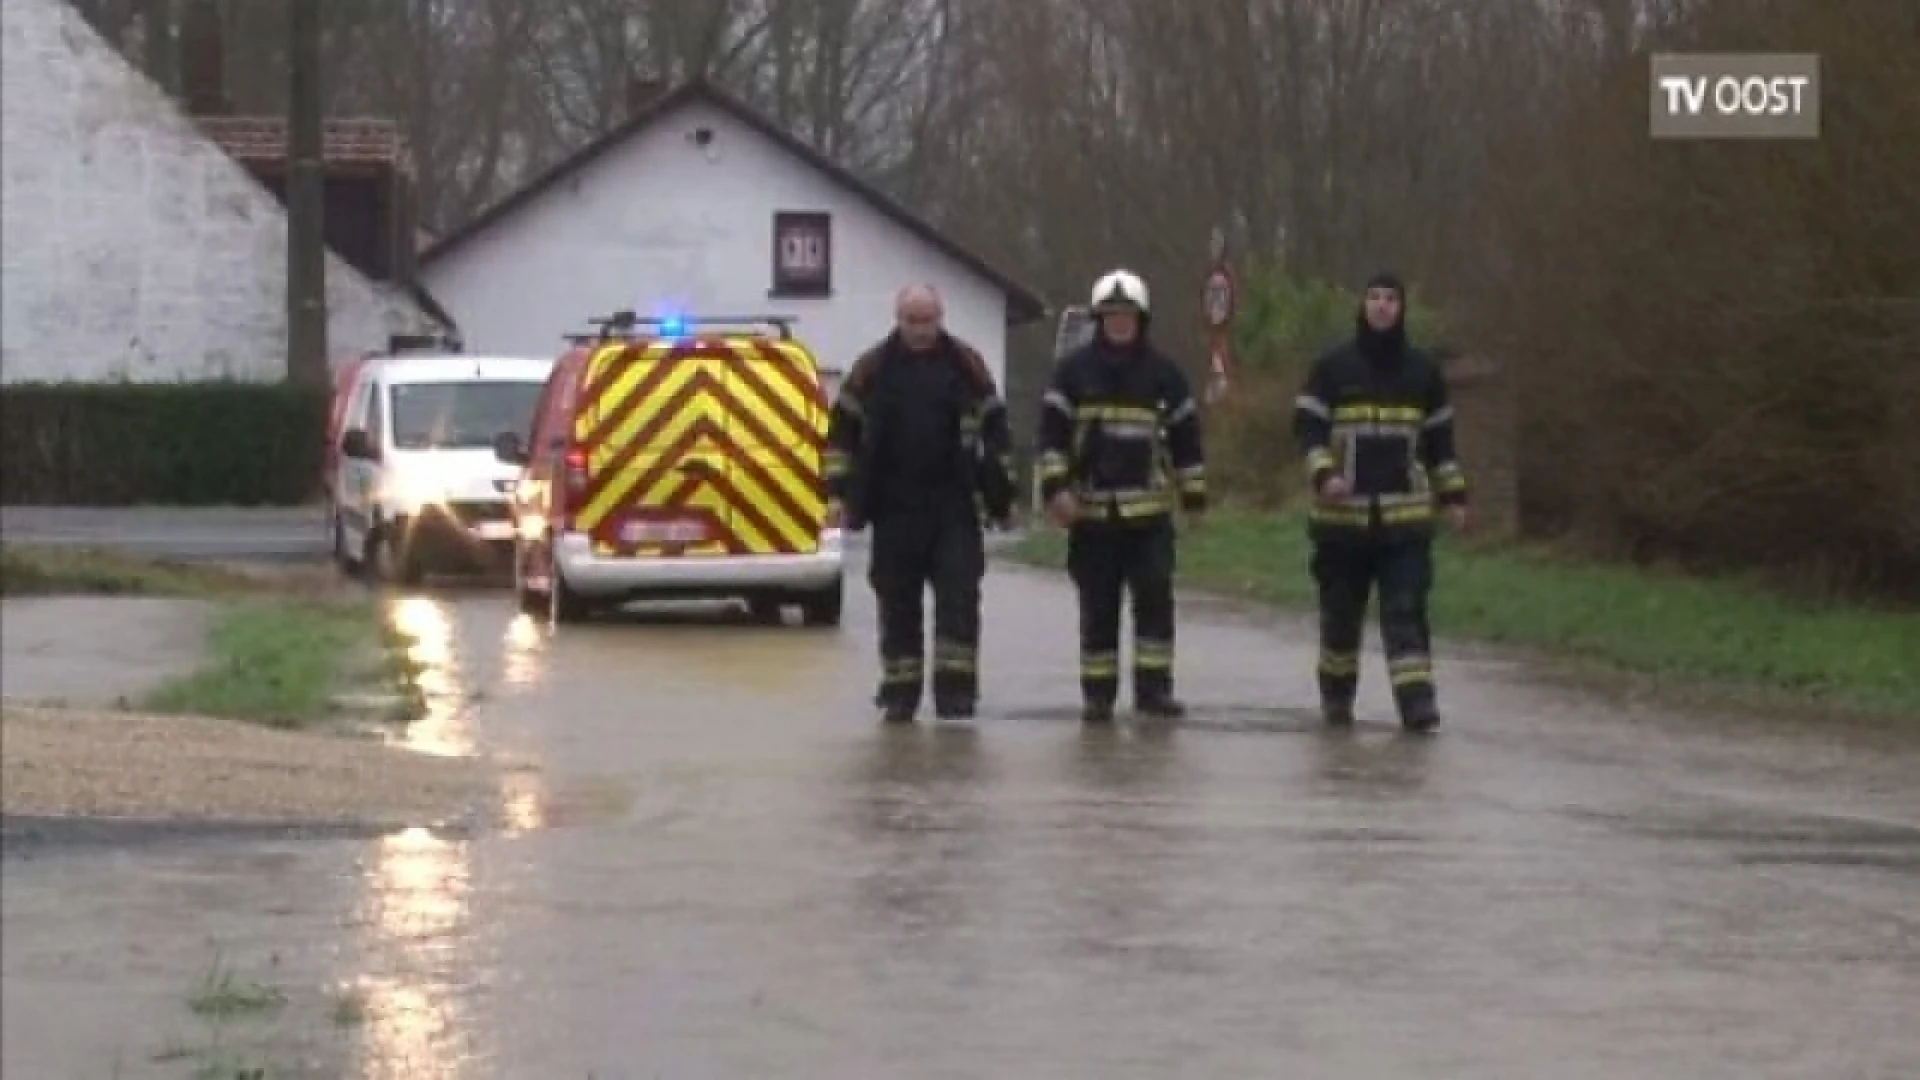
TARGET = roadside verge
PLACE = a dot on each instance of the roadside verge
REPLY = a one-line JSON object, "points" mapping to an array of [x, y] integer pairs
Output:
{"points": [[1690, 633], [274, 680]]}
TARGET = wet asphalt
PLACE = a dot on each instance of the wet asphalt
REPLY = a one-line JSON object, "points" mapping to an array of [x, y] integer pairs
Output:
{"points": [[252, 534], [710, 861]]}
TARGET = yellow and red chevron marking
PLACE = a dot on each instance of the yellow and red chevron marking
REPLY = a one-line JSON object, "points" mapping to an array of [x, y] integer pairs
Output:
{"points": [[729, 432]]}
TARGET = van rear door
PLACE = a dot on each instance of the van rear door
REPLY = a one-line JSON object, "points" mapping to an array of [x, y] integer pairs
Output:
{"points": [[777, 429], [652, 426]]}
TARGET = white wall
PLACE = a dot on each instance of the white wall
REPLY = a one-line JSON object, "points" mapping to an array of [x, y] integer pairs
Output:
{"points": [[658, 225], [131, 247]]}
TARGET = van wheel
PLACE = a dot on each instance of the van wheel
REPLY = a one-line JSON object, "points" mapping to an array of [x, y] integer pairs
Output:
{"points": [[822, 608], [391, 556], [766, 610], [343, 558]]}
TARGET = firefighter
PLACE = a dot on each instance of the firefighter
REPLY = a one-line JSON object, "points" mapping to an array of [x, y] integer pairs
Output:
{"points": [[918, 447], [1120, 449], [1375, 428]]}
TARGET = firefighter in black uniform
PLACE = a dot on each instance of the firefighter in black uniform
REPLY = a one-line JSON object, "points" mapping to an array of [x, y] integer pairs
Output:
{"points": [[1120, 448], [918, 447], [1375, 428]]}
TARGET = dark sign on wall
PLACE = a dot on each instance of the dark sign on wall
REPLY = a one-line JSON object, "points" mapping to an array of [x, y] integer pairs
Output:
{"points": [[802, 254]]}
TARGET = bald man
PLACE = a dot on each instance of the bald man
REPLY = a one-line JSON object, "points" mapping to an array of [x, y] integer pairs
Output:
{"points": [[918, 447]]}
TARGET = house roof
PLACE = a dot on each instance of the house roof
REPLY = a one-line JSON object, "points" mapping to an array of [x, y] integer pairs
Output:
{"points": [[1023, 304]]}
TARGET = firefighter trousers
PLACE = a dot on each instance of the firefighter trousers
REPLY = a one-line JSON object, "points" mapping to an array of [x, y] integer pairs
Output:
{"points": [[1347, 572], [1110, 562], [941, 548]]}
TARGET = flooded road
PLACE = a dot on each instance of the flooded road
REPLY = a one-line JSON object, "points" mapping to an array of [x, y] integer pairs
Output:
{"points": [[714, 862]]}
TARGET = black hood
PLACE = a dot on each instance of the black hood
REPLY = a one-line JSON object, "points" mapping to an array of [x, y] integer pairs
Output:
{"points": [[1385, 346]]}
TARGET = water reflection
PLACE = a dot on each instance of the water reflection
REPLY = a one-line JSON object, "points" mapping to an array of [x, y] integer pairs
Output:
{"points": [[918, 798], [432, 648], [524, 644], [1124, 840], [1363, 768], [523, 801], [1135, 759], [417, 919], [907, 764], [418, 882]]}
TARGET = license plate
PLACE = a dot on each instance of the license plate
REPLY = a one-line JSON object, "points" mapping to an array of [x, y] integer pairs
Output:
{"points": [[664, 532], [494, 530]]}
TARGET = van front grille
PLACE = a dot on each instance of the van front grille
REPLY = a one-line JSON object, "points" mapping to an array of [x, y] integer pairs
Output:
{"points": [[473, 512]]}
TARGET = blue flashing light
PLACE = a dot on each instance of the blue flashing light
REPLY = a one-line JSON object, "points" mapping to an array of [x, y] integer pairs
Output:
{"points": [[673, 326]]}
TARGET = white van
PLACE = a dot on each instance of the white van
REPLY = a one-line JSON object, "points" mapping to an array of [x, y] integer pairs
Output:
{"points": [[417, 487]]}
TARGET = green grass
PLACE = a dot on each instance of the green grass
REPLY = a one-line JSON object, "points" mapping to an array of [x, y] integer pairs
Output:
{"points": [[278, 653], [222, 994], [274, 661], [1699, 630], [349, 1008], [40, 570], [228, 1003]]}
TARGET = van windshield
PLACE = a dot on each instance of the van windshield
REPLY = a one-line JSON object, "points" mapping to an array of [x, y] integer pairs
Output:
{"points": [[461, 415]]}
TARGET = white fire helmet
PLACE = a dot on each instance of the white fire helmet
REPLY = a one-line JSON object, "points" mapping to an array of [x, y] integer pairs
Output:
{"points": [[1118, 287]]}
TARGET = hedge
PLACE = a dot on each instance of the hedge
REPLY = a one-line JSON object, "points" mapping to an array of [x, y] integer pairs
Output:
{"points": [[183, 444]]}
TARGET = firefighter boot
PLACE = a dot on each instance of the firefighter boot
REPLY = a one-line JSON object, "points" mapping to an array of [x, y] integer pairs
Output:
{"points": [[899, 696], [953, 708], [1159, 705], [1336, 713], [1421, 719], [1153, 680], [1149, 573]]}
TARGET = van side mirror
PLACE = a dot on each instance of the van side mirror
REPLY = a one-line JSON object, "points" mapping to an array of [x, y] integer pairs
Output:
{"points": [[355, 443], [509, 449]]}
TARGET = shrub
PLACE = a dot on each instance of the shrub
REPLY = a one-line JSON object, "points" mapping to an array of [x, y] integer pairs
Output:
{"points": [[118, 444], [1718, 341]]}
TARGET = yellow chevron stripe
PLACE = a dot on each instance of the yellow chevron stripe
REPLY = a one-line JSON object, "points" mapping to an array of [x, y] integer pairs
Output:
{"points": [[802, 489], [780, 386], [587, 416], [701, 406], [620, 490], [797, 535], [725, 407], [703, 497]]}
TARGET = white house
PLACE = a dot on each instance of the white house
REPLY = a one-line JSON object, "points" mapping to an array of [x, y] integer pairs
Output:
{"points": [[132, 247], [698, 204]]}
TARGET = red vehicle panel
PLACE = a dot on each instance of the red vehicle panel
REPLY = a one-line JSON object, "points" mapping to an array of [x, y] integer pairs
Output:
{"points": [[346, 379]]}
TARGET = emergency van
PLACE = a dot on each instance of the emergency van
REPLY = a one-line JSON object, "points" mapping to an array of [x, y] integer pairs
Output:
{"points": [[414, 485], [678, 458]]}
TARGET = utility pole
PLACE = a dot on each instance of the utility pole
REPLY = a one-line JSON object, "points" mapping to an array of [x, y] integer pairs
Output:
{"points": [[157, 26], [306, 199]]}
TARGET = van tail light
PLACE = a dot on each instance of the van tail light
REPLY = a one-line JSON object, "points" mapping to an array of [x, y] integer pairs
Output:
{"points": [[574, 481]]}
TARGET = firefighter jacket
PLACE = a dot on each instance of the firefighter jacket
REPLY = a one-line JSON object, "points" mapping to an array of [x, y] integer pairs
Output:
{"points": [[877, 424], [1122, 433], [1385, 426]]}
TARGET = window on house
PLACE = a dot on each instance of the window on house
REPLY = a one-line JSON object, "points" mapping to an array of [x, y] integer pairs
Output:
{"points": [[802, 254]]}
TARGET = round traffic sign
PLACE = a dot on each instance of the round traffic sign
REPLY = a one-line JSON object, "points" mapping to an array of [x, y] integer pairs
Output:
{"points": [[1218, 301]]}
